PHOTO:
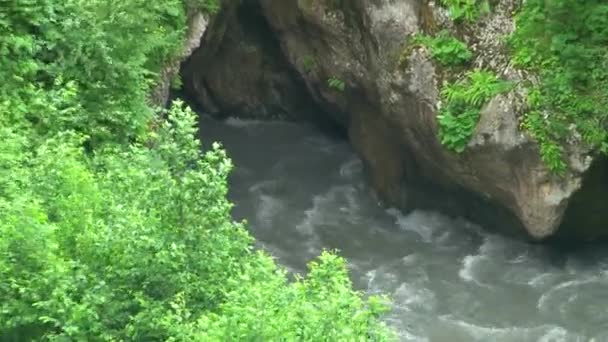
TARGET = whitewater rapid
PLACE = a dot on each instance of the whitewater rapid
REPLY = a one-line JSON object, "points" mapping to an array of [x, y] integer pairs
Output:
{"points": [[449, 280]]}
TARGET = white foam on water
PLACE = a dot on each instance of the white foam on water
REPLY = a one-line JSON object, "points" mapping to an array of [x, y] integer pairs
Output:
{"points": [[268, 208], [423, 223], [555, 334], [493, 252], [493, 245], [371, 277], [380, 279], [324, 212], [543, 333], [444, 238], [414, 297], [468, 270], [236, 122], [546, 297], [404, 334], [316, 214], [306, 227], [480, 332], [269, 185], [444, 258], [520, 259], [321, 144], [410, 259], [351, 168], [541, 280]]}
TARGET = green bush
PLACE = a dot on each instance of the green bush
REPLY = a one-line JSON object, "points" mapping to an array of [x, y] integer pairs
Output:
{"points": [[566, 44], [462, 103], [467, 10], [114, 226], [138, 244], [109, 51], [445, 49]]}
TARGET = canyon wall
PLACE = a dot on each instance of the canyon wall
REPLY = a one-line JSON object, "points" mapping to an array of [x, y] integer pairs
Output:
{"points": [[352, 63]]}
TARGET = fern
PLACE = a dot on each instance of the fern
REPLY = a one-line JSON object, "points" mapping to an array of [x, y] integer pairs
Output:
{"points": [[467, 10], [463, 101], [336, 83], [445, 49]]}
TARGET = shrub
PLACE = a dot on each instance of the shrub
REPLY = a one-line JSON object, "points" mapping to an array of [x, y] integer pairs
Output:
{"points": [[445, 49], [114, 226], [462, 102], [109, 52], [138, 244]]}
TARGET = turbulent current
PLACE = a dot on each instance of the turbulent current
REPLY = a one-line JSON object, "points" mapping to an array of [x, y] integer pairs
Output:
{"points": [[449, 279]]}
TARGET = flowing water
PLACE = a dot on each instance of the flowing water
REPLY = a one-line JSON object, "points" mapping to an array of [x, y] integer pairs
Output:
{"points": [[449, 280]]}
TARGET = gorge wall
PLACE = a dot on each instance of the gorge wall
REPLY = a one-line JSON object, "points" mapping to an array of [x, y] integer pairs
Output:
{"points": [[349, 62]]}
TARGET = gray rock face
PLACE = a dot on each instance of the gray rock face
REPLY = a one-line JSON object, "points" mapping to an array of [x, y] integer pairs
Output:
{"points": [[241, 70], [390, 102], [197, 25]]}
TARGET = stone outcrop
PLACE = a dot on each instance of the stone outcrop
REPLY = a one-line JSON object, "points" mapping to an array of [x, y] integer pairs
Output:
{"points": [[390, 101], [241, 70], [197, 25]]}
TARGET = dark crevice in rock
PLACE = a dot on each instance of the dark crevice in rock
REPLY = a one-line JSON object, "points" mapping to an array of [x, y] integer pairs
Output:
{"points": [[587, 212], [241, 71]]}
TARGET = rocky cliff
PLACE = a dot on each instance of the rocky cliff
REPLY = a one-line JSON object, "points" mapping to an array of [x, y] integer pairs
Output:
{"points": [[352, 62]]}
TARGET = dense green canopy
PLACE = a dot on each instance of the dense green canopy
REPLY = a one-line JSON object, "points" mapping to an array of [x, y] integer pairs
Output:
{"points": [[113, 225]]}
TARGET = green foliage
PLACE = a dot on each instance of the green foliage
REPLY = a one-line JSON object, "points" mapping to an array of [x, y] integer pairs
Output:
{"points": [[467, 10], [109, 51], [462, 104], [137, 244], [176, 82], [336, 83], [209, 6], [308, 63], [114, 226], [445, 49], [566, 43], [318, 308]]}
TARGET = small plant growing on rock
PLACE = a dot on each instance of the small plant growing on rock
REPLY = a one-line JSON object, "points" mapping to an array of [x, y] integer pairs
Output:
{"points": [[336, 83], [463, 101], [176, 82], [308, 63], [210, 6], [466, 10], [445, 49]]}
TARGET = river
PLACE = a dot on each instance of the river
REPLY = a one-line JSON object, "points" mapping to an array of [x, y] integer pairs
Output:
{"points": [[450, 280]]}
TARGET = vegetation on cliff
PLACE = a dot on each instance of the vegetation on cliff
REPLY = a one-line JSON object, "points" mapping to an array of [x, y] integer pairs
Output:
{"points": [[445, 49], [464, 100], [566, 44], [113, 225]]}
